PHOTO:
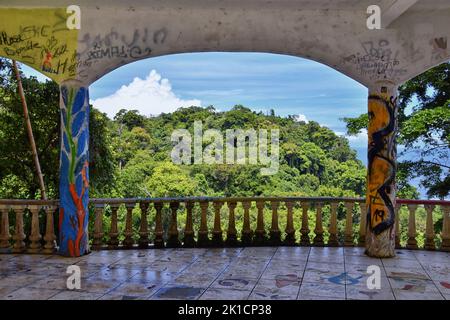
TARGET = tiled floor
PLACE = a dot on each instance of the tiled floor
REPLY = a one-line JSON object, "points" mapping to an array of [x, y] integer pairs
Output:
{"points": [[232, 273]]}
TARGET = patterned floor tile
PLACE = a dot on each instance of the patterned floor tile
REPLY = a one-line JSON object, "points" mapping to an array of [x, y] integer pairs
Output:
{"points": [[30, 294], [322, 290], [178, 292], [76, 295], [225, 294], [280, 288], [361, 293], [223, 273], [240, 283]]}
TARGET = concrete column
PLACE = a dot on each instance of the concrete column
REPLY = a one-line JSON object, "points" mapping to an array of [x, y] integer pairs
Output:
{"points": [[382, 152], [74, 169]]}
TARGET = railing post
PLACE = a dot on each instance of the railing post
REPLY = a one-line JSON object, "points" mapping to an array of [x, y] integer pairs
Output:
{"points": [[114, 232], [318, 239], [217, 237], [348, 236], [202, 236], [333, 240], [173, 241], [159, 232], [143, 228], [128, 242], [247, 234], [397, 208], [5, 236], [429, 233], [188, 241], [260, 233], [275, 234], [362, 224], [35, 235], [49, 237], [290, 230], [232, 232], [445, 235], [412, 242], [97, 242], [304, 239], [19, 234]]}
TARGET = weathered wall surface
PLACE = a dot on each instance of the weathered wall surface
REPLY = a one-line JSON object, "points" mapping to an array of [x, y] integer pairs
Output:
{"points": [[114, 33]]}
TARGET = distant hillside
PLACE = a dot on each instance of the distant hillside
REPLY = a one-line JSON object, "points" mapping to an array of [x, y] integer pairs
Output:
{"points": [[314, 161]]}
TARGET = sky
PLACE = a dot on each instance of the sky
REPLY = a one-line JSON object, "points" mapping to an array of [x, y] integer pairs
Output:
{"points": [[260, 81]]}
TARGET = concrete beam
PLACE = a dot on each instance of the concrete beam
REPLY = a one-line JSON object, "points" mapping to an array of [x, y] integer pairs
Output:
{"points": [[397, 8]]}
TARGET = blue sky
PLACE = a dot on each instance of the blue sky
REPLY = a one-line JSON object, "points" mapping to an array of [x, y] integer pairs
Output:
{"points": [[260, 81]]}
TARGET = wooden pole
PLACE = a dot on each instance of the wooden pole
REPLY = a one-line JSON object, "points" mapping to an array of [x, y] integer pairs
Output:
{"points": [[30, 132]]}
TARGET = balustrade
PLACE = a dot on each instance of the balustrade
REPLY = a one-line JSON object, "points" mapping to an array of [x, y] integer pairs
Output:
{"points": [[244, 221]]}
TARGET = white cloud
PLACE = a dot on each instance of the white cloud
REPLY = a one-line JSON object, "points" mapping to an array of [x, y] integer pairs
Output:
{"points": [[301, 117], [359, 140], [150, 96]]}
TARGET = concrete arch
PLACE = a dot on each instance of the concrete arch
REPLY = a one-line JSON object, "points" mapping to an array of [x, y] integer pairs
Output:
{"points": [[111, 33]]}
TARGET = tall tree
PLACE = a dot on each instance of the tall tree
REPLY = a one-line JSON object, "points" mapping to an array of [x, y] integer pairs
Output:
{"points": [[17, 178]]}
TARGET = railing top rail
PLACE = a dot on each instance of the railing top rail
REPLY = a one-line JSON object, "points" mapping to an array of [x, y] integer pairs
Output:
{"points": [[224, 199], [217, 199], [425, 202], [22, 202]]}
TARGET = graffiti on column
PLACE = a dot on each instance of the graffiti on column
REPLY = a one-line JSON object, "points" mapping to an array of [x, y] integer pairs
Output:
{"points": [[43, 42], [381, 163], [74, 171], [376, 60]]}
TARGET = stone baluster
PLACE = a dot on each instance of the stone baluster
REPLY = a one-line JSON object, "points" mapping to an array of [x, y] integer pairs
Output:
{"points": [[217, 234], [397, 208], [304, 239], [231, 232], [429, 232], [97, 242], [128, 242], [260, 233], [35, 235], [348, 234], [173, 241], [247, 234], [19, 234], [159, 231], [113, 242], [202, 236], [49, 237], [188, 240], [143, 228], [362, 224], [5, 236], [275, 234], [318, 230], [290, 230], [333, 239], [445, 235], [412, 242]]}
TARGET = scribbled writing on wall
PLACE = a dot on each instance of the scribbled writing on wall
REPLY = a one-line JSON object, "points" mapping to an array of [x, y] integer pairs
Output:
{"points": [[43, 42], [376, 60], [116, 45], [439, 52]]}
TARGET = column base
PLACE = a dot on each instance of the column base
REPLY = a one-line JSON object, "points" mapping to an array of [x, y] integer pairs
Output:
{"points": [[289, 240], [202, 239]]}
